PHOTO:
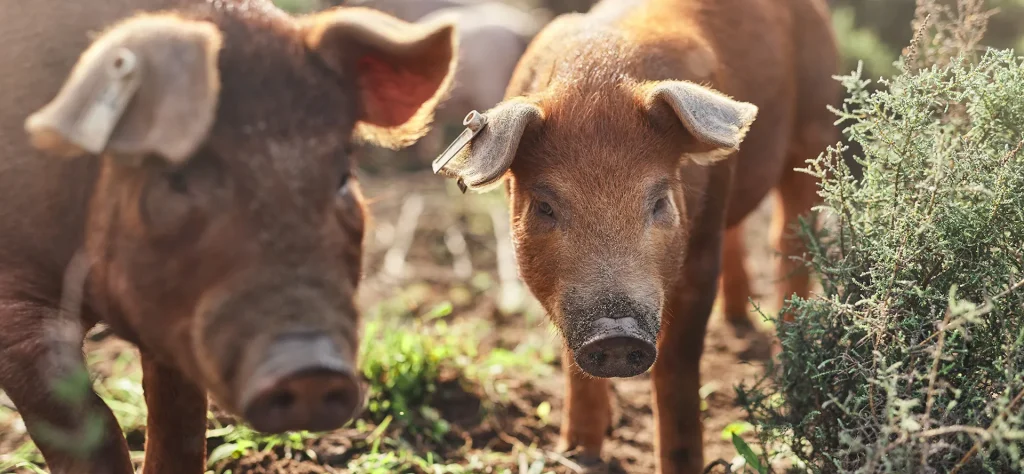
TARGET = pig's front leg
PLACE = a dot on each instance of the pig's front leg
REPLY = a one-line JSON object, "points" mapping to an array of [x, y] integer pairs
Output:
{"points": [[176, 425], [679, 434], [32, 356], [587, 416]]}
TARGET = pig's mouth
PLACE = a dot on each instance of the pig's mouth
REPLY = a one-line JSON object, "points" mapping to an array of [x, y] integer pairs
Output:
{"points": [[615, 347], [302, 383]]}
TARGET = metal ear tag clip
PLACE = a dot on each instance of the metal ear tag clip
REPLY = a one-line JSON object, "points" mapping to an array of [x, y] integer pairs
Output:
{"points": [[474, 122], [93, 130]]}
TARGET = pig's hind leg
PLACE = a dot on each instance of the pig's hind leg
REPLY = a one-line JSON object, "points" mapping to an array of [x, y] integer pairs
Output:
{"points": [[73, 428], [734, 289]]}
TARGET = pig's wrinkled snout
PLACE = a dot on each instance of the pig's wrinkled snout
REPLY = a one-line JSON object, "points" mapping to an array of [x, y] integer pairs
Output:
{"points": [[303, 384], [618, 349]]}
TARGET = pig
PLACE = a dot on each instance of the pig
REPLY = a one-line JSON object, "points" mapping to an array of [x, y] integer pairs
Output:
{"points": [[408, 10], [619, 143], [186, 178], [492, 37]]}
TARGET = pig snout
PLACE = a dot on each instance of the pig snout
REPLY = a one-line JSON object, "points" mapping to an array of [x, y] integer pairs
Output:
{"points": [[611, 335], [617, 348], [302, 383]]}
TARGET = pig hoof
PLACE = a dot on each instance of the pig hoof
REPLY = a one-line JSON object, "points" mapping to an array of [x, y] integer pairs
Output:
{"points": [[742, 325], [591, 463]]}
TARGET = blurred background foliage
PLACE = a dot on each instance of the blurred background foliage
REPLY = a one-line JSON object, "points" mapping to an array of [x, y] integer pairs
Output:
{"points": [[875, 31]]}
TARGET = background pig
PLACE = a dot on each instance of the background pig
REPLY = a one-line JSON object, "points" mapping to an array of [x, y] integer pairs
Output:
{"points": [[194, 162], [492, 36], [408, 10], [619, 139]]}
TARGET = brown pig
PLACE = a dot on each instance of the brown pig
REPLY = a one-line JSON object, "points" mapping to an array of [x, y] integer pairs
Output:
{"points": [[194, 163], [620, 138]]}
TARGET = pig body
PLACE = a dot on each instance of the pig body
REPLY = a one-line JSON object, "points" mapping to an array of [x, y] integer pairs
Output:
{"points": [[620, 138], [185, 165]]}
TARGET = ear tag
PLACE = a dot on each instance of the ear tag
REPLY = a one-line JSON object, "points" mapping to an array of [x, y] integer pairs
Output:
{"points": [[93, 130], [474, 122]]}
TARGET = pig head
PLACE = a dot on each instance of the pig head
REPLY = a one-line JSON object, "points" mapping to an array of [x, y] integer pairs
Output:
{"points": [[224, 228], [600, 214]]}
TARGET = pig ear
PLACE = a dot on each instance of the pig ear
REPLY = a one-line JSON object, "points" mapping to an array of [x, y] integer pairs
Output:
{"points": [[402, 70], [717, 122], [484, 161], [149, 85]]}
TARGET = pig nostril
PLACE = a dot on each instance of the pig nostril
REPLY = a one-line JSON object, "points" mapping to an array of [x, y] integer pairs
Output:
{"points": [[635, 357], [335, 397], [281, 401], [597, 357]]}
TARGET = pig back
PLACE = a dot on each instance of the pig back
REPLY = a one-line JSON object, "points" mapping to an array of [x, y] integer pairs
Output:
{"points": [[43, 198]]}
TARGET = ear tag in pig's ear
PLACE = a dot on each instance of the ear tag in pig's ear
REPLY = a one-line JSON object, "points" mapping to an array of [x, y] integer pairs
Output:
{"points": [[474, 122], [93, 130]]}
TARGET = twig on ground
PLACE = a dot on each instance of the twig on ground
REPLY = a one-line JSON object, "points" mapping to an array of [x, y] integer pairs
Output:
{"points": [[405, 230], [462, 265], [550, 455], [507, 279], [568, 463]]}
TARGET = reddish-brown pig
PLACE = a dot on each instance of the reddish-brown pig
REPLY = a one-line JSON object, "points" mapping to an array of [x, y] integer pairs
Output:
{"points": [[620, 140], [194, 165]]}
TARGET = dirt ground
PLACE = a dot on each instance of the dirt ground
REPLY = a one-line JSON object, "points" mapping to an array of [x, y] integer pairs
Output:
{"points": [[430, 254], [728, 360]]}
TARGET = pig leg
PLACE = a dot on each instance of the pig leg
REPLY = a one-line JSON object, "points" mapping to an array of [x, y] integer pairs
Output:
{"points": [[56, 425], [176, 425], [797, 193], [679, 430], [587, 416], [679, 435], [734, 291]]}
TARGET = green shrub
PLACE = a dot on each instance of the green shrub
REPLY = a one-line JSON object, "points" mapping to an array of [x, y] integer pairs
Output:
{"points": [[912, 358]]}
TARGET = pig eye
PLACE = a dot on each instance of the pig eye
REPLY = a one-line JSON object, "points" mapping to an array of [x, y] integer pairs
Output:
{"points": [[343, 182], [545, 209], [176, 182], [660, 206]]}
